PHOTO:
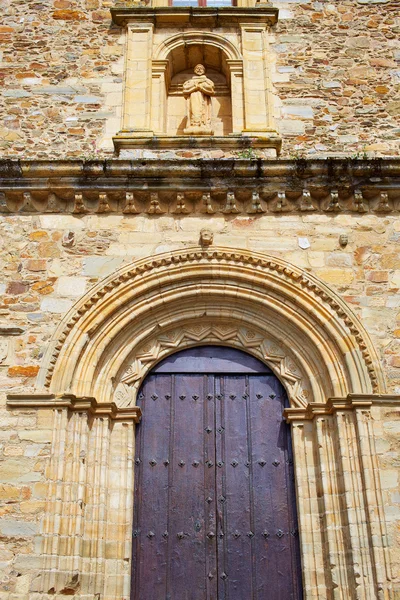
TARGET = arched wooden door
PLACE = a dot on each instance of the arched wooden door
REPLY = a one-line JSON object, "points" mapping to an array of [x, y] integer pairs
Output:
{"points": [[215, 512]]}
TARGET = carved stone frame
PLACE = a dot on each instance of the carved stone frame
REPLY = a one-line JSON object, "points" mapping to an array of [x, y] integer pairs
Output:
{"points": [[147, 75], [112, 338]]}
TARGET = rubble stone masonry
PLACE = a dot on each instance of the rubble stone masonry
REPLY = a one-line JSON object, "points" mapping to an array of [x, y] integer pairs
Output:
{"points": [[67, 225], [335, 75]]}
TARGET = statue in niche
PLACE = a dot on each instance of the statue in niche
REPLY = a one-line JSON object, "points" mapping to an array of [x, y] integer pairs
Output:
{"points": [[198, 91]]}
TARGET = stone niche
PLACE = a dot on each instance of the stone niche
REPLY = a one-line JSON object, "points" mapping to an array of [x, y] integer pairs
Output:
{"points": [[180, 69], [163, 45]]}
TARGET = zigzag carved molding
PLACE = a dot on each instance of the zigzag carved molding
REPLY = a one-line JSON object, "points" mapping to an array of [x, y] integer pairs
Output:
{"points": [[155, 349]]}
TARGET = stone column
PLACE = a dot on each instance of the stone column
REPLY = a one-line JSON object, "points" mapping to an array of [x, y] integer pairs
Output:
{"points": [[357, 518], [118, 548], [333, 510], [348, 529], [256, 80], [86, 534], [311, 541], [373, 498], [138, 79]]}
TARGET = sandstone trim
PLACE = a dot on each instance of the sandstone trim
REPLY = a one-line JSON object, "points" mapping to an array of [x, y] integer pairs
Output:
{"points": [[210, 17], [117, 309], [260, 186], [74, 404]]}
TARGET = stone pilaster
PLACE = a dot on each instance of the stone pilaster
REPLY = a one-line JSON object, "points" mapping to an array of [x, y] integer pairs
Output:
{"points": [[333, 512], [237, 95], [311, 540], [256, 82], [159, 96], [86, 532], [373, 500], [349, 521], [138, 78]]}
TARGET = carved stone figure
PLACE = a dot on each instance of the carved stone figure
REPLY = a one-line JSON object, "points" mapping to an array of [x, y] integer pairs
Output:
{"points": [[206, 237], [198, 91]]}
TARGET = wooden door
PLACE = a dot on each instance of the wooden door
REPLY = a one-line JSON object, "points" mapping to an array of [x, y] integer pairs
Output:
{"points": [[215, 515]]}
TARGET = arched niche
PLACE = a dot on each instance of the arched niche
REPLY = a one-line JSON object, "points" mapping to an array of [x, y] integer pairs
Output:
{"points": [[173, 65]]}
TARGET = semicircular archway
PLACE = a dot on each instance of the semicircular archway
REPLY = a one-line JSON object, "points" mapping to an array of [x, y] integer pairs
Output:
{"points": [[280, 314], [114, 336], [198, 38]]}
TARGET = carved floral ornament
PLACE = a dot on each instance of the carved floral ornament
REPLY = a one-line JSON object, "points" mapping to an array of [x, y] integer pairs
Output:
{"points": [[114, 335]]}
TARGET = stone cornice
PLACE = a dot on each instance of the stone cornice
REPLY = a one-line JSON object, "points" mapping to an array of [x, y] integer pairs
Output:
{"points": [[128, 140], [194, 16], [181, 186], [333, 405], [74, 404]]}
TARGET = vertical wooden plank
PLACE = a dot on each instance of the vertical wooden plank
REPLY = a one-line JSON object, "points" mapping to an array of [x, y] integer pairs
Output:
{"points": [[276, 540], [234, 488], [210, 496], [215, 514], [151, 490], [187, 533]]}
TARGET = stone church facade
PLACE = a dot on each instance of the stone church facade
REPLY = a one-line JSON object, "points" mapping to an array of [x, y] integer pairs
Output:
{"points": [[149, 206]]}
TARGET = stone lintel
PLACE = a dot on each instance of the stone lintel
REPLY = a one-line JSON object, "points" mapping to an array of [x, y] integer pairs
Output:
{"points": [[333, 405], [194, 16], [74, 404]]}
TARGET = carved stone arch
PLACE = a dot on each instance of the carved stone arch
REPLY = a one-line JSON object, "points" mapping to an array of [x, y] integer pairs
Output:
{"points": [[305, 332], [122, 326], [197, 37], [230, 332]]}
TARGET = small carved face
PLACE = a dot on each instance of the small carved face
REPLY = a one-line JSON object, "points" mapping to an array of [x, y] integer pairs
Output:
{"points": [[199, 70], [206, 237]]}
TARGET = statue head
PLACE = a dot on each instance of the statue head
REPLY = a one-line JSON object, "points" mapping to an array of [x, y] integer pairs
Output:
{"points": [[199, 69]]}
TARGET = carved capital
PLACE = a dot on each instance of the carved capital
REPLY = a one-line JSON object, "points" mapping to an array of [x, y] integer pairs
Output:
{"points": [[351, 402]]}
